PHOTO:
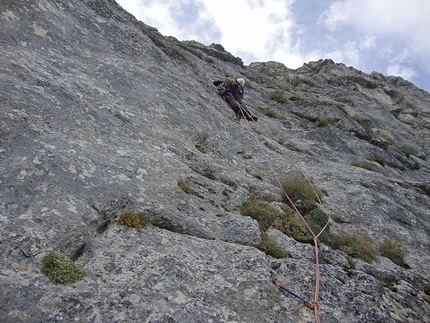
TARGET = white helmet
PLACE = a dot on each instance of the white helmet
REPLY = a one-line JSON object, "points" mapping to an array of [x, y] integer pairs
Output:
{"points": [[241, 81]]}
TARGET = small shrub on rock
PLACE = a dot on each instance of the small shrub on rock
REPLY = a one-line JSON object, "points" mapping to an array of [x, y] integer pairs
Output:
{"points": [[271, 113], [132, 220], [324, 122], [426, 298], [260, 210], [271, 248], [202, 144], [201, 147], [377, 159], [341, 107], [291, 225], [355, 246], [298, 188], [390, 283], [278, 97], [364, 165], [297, 98], [60, 269], [186, 187], [266, 215], [304, 124], [426, 295], [317, 219], [393, 252]]}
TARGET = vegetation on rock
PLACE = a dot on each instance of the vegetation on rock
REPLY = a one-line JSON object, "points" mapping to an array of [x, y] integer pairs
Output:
{"points": [[60, 269], [355, 246], [394, 252], [278, 97], [186, 187], [132, 220]]}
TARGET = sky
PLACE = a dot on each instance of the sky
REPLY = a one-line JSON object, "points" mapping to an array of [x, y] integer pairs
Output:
{"points": [[391, 37]]}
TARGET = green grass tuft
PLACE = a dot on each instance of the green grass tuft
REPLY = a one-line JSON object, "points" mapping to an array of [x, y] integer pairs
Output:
{"points": [[317, 219], [60, 269], [426, 298], [270, 247], [202, 144], [298, 188], [291, 225], [132, 220], [390, 283], [377, 159], [324, 122], [266, 215], [341, 107], [364, 165], [393, 252], [260, 210], [304, 124], [355, 246], [426, 294], [297, 98], [278, 97], [271, 113], [186, 187]]}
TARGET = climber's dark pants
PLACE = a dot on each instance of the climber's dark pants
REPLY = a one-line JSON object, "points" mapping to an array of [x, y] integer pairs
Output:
{"points": [[234, 100]]}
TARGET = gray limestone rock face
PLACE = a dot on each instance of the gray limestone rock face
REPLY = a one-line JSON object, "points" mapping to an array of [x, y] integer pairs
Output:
{"points": [[100, 114]]}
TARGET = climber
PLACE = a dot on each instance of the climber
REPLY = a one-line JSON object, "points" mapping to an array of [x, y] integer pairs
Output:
{"points": [[232, 91]]}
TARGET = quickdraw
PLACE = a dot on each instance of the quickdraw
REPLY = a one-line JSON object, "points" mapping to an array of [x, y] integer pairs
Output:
{"points": [[307, 303]]}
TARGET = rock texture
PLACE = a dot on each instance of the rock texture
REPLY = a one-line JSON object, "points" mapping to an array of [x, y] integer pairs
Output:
{"points": [[101, 114]]}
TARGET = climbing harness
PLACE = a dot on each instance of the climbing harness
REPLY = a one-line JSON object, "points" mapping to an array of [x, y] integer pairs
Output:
{"points": [[305, 302], [315, 236]]}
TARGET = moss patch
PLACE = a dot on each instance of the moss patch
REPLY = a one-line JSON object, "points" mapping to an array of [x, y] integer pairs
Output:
{"points": [[60, 269], [186, 187], [132, 220]]}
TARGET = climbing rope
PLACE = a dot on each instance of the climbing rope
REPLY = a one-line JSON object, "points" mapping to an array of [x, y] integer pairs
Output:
{"points": [[315, 307]]}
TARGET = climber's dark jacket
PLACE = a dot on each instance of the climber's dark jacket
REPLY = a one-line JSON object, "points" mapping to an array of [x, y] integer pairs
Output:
{"points": [[233, 94]]}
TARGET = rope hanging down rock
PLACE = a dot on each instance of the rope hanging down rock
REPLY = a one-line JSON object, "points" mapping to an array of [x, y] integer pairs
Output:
{"points": [[314, 307]]}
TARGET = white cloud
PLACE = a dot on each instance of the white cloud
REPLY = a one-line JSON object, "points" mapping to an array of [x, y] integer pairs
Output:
{"points": [[262, 28], [351, 51], [259, 27], [401, 28], [151, 12], [403, 71], [338, 14], [397, 66], [367, 34], [367, 42], [405, 19]]}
